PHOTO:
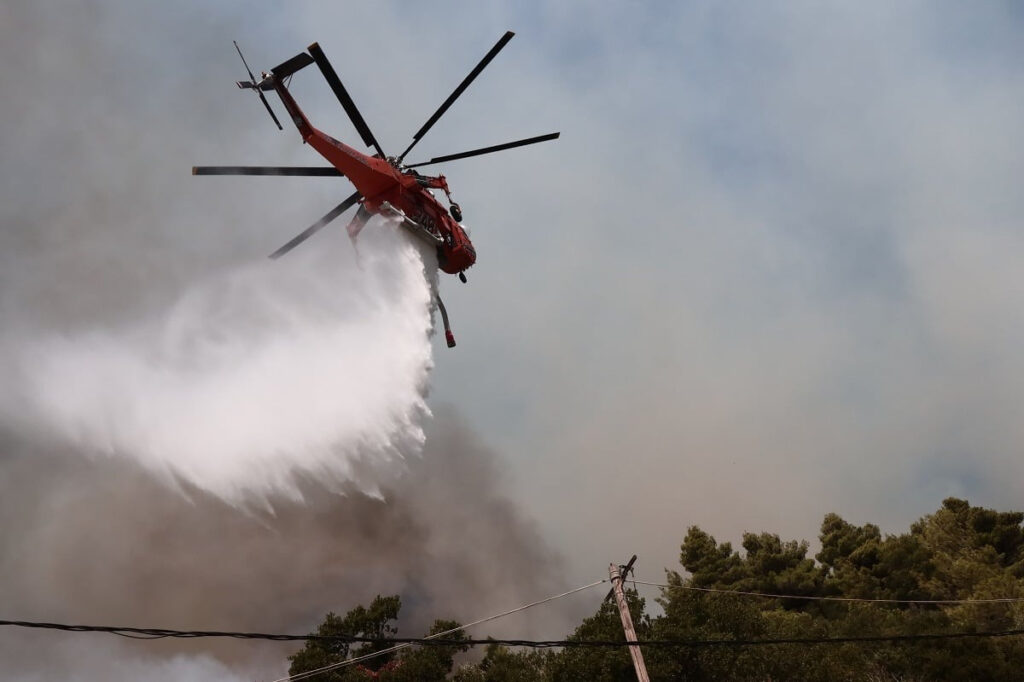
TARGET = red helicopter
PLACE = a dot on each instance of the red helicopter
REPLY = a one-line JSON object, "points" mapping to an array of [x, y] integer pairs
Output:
{"points": [[384, 184]]}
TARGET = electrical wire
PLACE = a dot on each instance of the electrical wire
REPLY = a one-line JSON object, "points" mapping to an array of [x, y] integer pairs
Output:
{"points": [[435, 636], [745, 593], [438, 639], [157, 633], [161, 633]]}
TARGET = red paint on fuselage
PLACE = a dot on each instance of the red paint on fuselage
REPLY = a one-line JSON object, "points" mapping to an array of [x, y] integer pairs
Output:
{"points": [[379, 182]]}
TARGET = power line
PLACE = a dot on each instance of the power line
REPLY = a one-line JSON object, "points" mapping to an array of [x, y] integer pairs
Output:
{"points": [[746, 593], [162, 633], [158, 633], [824, 640]]}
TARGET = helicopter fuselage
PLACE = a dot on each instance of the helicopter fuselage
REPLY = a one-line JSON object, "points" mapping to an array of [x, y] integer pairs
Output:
{"points": [[384, 184], [387, 189]]}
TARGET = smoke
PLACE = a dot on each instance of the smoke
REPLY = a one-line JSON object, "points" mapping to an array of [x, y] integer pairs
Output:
{"points": [[103, 541], [192, 437], [253, 376], [249, 456], [84, 661]]}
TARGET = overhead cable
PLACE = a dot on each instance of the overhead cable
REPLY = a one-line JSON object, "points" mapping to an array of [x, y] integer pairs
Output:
{"points": [[157, 633], [766, 595]]}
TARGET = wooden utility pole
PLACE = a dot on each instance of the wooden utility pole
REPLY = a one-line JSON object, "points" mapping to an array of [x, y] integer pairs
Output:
{"points": [[627, 620]]}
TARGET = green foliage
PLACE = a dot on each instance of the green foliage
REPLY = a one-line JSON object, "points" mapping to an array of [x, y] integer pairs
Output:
{"points": [[501, 664], [375, 621], [959, 552], [770, 565], [428, 664], [601, 665]]}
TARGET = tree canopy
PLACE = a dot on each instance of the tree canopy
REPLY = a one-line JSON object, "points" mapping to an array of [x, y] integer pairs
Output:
{"points": [[369, 661], [959, 552]]}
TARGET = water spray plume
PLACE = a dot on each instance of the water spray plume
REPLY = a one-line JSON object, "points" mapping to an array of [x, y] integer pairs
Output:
{"points": [[266, 373]]}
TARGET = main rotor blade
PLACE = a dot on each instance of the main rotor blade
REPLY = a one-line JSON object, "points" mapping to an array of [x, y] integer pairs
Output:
{"points": [[312, 229], [459, 90], [346, 101], [289, 67], [488, 150], [314, 171]]}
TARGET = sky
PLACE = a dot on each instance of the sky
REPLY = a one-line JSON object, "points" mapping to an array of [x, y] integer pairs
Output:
{"points": [[769, 271]]}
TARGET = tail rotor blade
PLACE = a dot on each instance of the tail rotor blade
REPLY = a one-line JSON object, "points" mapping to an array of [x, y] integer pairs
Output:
{"points": [[342, 94], [315, 227], [251, 77], [459, 90], [488, 150], [256, 86], [269, 110]]}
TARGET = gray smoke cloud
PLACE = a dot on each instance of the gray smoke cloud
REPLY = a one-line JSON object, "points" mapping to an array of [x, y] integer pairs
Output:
{"points": [[106, 542], [769, 271], [785, 276], [191, 437]]}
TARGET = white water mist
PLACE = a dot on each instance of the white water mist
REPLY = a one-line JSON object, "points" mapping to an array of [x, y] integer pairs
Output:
{"points": [[303, 366]]}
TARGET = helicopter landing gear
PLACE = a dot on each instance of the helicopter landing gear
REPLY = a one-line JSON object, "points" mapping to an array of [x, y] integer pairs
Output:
{"points": [[462, 277], [456, 212]]}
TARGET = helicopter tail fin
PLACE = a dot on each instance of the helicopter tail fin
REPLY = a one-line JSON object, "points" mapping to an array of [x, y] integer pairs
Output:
{"points": [[265, 85]]}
